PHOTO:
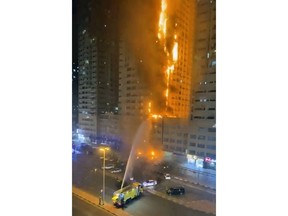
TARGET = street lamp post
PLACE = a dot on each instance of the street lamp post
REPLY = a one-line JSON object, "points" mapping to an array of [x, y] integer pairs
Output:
{"points": [[103, 190]]}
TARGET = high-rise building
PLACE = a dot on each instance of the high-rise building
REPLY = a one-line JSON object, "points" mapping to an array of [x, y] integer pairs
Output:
{"points": [[177, 21], [202, 133], [98, 64], [75, 70], [180, 28], [133, 95]]}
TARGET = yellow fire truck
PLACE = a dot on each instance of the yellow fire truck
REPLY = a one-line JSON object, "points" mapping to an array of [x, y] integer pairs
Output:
{"points": [[126, 194]]}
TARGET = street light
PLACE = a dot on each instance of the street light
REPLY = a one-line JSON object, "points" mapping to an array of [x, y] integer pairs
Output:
{"points": [[103, 192]]}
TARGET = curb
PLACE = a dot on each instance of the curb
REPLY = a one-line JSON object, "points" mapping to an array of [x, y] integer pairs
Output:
{"points": [[190, 182], [74, 191], [172, 199], [92, 203]]}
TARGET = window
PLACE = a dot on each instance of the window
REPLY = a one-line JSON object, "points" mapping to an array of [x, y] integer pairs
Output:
{"points": [[192, 144], [192, 152], [201, 145], [201, 137], [202, 129], [212, 147], [192, 136], [211, 129], [211, 138]]}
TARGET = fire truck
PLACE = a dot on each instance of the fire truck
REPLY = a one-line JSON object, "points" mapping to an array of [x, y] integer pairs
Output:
{"points": [[126, 194]]}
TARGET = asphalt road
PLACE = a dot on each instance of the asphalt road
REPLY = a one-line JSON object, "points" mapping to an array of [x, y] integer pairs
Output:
{"points": [[82, 208], [85, 176]]}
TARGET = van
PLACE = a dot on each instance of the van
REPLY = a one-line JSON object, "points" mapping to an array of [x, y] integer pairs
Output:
{"points": [[175, 191]]}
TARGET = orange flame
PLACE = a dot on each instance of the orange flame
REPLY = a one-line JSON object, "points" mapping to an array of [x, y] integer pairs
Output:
{"points": [[162, 21], [175, 52]]}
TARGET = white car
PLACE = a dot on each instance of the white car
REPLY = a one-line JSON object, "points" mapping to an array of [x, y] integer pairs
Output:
{"points": [[149, 183], [167, 176], [116, 170], [110, 166]]}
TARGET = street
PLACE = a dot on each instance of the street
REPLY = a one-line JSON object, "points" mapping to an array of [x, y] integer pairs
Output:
{"points": [[88, 176]]}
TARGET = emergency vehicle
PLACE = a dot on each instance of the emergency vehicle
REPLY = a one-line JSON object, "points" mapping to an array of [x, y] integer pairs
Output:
{"points": [[126, 194]]}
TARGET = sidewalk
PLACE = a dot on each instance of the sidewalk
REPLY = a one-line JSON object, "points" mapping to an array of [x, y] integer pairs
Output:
{"points": [[200, 205], [192, 167], [181, 161], [95, 201]]}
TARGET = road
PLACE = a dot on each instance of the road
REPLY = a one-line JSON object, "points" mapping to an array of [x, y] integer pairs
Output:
{"points": [[82, 208], [85, 176]]}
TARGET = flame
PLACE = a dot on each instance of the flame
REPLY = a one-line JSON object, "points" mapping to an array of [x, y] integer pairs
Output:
{"points": [[175, 52], [162, 21], [172, 55], [156, 116]]}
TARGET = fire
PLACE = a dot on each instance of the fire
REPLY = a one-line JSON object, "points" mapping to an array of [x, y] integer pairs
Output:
{"points": [[162, 20], [149, 154], [171, 59], [175, 52], [155, 116]]}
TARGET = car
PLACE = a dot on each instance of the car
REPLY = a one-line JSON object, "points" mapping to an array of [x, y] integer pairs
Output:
{"points": [[116, 170], [109, 166], [167, 176], [175, 191], [149, 183]]}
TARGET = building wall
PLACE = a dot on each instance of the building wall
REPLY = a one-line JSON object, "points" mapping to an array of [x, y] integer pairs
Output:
{"points": [[133, 96], [98, 63], [202, 132], [172, 129], [180, 82], [175, 135]]}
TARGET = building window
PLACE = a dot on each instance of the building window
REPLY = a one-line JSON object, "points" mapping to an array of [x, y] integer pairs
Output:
{"points": [[212, 147], [201, 137], [211, 129], [192, 144], [192, 152], [201, 145], [211, 138], [192, 136]]}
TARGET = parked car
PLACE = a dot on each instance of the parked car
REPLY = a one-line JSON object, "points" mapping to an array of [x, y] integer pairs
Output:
{"points": [[116, 170], [175, 191], [149, 183], [167, 176], [109, 166]]}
